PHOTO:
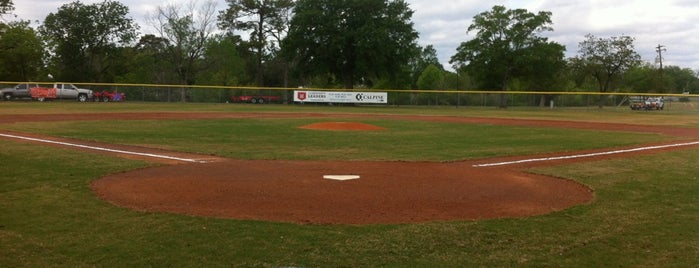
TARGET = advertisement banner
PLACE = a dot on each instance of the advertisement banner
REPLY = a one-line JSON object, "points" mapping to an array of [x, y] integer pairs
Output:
{"points": [[340, 97]]}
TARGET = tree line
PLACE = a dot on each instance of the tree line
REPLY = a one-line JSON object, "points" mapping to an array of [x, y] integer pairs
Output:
{"points": [[318, 43]]}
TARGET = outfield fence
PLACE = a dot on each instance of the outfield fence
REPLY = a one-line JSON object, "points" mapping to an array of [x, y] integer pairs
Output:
{"points": [[455, 98]]}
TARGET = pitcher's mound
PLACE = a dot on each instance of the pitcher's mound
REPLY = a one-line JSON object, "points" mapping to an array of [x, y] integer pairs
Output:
{"points": [[352, 126]]}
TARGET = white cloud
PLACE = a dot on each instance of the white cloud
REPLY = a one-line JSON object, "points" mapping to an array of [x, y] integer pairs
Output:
{"points": [[671, 23], [443, 24]]}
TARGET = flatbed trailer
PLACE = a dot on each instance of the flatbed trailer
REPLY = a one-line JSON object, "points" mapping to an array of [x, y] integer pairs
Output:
{"points": [[255, 99]]}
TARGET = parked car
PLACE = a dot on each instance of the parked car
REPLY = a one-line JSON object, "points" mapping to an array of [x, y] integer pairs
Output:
{"points": [[17, 92]]}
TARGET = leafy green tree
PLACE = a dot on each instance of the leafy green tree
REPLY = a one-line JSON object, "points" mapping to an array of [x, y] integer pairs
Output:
{"points": [[508, 46], [22, 52], [646, 78], [606, 59], [225, 66], [6, 6], [427, 56], [431, 78], [545, 71], [264, 19], [84, 39], [642, 78], [678, 79], [355, 41], [148, 62]]}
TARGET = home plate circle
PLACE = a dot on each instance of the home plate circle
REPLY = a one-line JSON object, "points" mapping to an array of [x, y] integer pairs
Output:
{"points": [[340, 177]]}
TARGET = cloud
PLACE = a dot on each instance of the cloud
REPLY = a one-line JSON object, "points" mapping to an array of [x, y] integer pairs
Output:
{"points": [[670, 23], [443, 24]]}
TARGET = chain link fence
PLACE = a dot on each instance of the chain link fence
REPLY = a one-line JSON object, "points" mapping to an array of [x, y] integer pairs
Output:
{"points": [[223, 94]]}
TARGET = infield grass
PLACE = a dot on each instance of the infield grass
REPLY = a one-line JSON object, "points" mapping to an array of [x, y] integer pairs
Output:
{"points": [[644, 213]]}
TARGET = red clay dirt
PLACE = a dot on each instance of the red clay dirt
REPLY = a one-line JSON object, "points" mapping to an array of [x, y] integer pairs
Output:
{"points": [[386, 193]]}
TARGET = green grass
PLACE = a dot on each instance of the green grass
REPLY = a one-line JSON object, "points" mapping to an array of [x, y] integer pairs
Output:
{"points": [[403, 140], [684, 114], [644, 213]]}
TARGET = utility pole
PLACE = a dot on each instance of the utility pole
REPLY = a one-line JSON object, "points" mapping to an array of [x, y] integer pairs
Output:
{"points": [[660, 49]]}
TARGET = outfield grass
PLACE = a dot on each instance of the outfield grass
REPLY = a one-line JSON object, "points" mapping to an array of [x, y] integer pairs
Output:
{"points": [[682, 114], [644, 213], [403, 140]]}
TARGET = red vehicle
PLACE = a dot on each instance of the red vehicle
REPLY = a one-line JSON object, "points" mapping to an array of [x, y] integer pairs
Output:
{"points": [[255, 99], [107, 96]]}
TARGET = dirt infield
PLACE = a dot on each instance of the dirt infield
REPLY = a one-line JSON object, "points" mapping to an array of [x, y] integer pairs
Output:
{"points": [[387, 192]]}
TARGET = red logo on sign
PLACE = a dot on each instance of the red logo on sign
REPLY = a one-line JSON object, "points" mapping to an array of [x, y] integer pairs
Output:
{"points": [[301, 95]]}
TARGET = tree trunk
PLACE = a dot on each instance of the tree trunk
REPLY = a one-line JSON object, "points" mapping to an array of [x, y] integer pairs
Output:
{"points": [[542, 101], [348, 78], [503, 97], [260, 49], [601, 97]]}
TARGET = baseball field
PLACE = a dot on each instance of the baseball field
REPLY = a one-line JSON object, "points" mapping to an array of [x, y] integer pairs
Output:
{"points": [[237, 185]]}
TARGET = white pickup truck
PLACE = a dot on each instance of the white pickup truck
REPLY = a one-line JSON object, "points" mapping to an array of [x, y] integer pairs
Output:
{"points": [[647, 103], [61, 91], [17, 92]]}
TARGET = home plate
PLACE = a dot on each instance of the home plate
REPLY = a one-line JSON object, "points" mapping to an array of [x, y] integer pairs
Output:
{"points": [[340, 177]]}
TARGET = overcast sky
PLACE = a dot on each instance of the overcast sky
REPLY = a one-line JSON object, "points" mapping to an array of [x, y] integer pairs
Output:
{"points": [[671, 23]]}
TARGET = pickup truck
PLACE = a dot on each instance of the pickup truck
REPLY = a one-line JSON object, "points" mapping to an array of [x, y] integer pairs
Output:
{"points": [[647, 103], [61, 91], [17, 92]]}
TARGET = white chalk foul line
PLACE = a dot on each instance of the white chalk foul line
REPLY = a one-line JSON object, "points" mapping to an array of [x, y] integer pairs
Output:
{"points": [[103, 149], [586, 155]]}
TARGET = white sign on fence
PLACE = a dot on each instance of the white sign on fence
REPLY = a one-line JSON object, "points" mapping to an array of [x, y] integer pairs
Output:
{"points": [[340, 97]]}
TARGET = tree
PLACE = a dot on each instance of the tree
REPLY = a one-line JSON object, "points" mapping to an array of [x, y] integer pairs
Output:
{"points": [[225, 65], [148, 62], [83, 39], [427, 56], [263, 18], [545, 71], [6, 6], [431, 78], [606, 59], [642, 78], [22, 52], [351, 40], [188, 33], [678, 79], [507, 46]]}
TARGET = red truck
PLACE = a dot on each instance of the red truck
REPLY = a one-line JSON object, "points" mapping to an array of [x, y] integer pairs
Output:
{"points": [[255, 99]]}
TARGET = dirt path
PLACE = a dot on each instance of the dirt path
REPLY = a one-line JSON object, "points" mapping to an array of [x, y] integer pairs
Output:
{"points": [[387, 192]]}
